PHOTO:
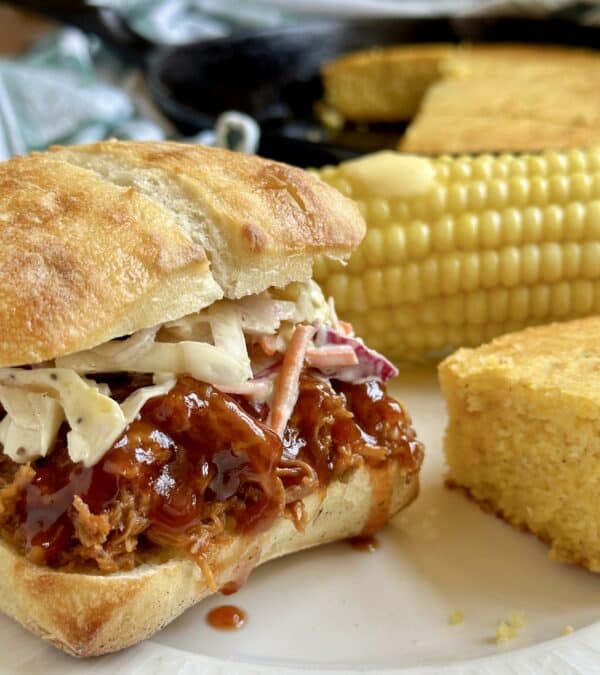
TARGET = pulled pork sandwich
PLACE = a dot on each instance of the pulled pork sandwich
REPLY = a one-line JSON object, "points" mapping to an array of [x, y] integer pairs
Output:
{"points": [[179, 403]]}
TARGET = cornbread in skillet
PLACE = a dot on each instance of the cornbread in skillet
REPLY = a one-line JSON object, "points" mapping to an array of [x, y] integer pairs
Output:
{"points": [[472, 98], [523, 435]]}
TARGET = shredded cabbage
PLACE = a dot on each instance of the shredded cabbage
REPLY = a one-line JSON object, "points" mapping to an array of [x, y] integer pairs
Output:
{"points": [[32, 421], [200, 360], [96, 420], [209, 345], [371, 364]]}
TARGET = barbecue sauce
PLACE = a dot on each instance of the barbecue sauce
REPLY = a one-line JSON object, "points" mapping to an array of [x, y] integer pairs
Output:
{"points": [[226, 617], [197, 446]]}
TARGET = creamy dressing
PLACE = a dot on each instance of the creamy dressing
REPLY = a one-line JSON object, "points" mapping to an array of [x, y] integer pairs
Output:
{"points": [[37, 401]]}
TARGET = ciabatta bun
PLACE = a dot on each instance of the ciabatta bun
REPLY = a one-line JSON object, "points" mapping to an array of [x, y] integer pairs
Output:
{"points": [[103, 240], [91, 614]]}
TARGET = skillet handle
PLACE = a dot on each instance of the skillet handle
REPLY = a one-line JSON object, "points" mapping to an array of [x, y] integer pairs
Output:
{"points": [[93, 17]]}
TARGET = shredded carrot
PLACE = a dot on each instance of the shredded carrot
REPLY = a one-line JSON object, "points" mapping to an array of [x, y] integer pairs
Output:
{"points": [[346, 328], [331, 356], [268, 344], [286, 386]]}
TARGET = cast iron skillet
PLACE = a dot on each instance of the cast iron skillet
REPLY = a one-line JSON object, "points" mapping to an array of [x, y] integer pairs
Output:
{"points": [[274, 74]]}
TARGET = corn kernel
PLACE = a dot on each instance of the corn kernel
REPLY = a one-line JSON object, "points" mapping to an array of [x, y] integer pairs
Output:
{"points": [[490, 269], [449, 274], [592, 221], [476, 308], [394, 244], [498, 194], [356, 264], [581, 186], [412, 283], [476, 195], [560, 299], [577, 160], [454, 310], [536, 165], [571, 259], [467, 232], [442, 234], [551, 262], [590, 260], [501, 166], [595, 192], [342, 185], [357, 299], [532, 224], [392, 282], [518, 191], [378, 211], [518, 303], [510, 266], [540, 301], [374, 287], [530, 264], [557, 162], [470, 272], [491, 233], [457, 198], [539, 191], [553, 223], [498, 304], [582, 296], [430, 277], [373, 247], [460, 170], [559, 189], [417, 240], [512, 226], [483, 166]]}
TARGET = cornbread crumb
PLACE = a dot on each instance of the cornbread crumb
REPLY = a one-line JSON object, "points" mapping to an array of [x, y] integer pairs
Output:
{"points": [[456, 617], [567, 630], [517, 619], [508, 629]]}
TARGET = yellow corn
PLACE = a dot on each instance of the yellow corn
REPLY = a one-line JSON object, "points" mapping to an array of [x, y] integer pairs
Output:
{"points": [[459, 250]]}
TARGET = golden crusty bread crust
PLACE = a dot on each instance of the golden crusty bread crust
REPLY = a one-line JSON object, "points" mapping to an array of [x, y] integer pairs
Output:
{"points": [[118, 244], [88, 615], [260, 222], [83, 261]]}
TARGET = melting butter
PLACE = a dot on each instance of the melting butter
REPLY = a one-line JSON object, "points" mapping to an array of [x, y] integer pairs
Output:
{"points": [[390, 174]]}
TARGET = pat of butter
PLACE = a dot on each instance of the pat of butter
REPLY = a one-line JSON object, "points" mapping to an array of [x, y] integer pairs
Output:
{"points": [[390, 174]]}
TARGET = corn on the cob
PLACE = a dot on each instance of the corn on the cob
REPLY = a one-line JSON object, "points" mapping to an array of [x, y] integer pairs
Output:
{"points": [[459, 250]]}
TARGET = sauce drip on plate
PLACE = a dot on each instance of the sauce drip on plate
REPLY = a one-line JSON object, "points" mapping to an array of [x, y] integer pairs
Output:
{"points": [[226, 617], [364, 544]]}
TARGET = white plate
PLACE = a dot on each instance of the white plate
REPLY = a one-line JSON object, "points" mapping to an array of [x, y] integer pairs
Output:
{"points": [[336, 609]]}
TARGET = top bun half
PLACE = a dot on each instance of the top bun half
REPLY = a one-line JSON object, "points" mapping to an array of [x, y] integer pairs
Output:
{"points": [[102, 240]]}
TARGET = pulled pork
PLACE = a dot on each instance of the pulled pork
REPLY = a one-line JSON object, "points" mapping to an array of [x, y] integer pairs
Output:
{"points": [[196, 466]]}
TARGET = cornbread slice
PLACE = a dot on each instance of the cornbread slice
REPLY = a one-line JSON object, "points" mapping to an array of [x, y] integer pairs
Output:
{"points": [[468, 98], [523, 435], [438, 134], [383, 84]]}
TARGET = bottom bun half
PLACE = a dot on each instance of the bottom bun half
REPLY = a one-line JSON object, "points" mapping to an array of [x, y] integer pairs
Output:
{"points": [[89, 614]]}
